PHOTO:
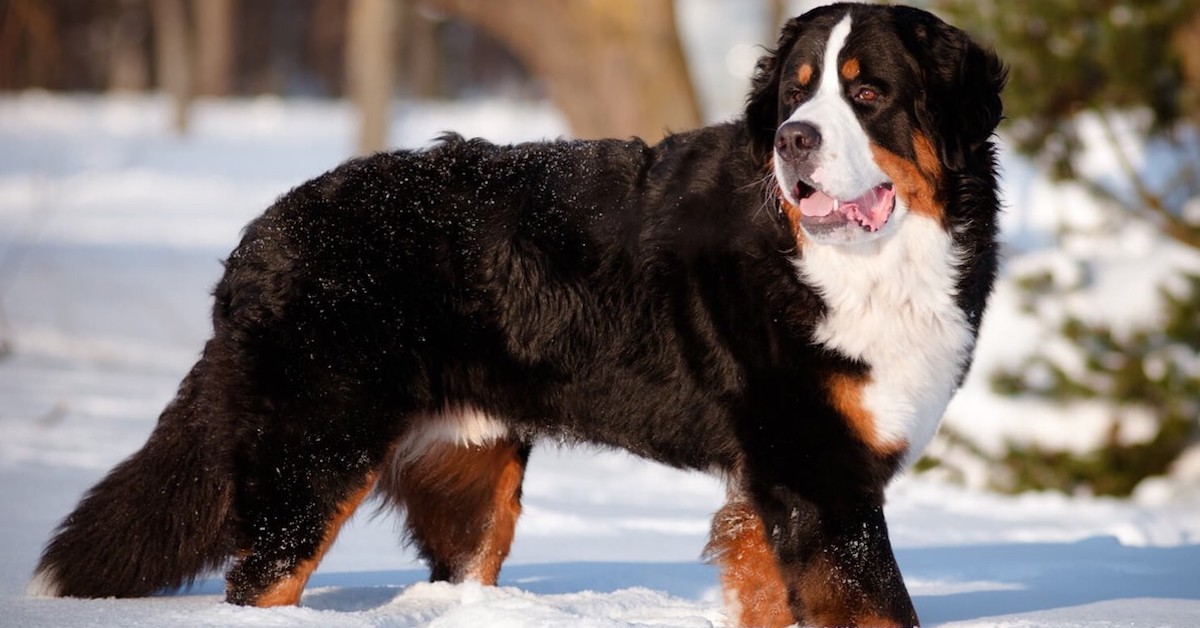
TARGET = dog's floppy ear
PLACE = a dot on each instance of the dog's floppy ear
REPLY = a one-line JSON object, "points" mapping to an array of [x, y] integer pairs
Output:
{"points": [[762, 106], [962, 83]]}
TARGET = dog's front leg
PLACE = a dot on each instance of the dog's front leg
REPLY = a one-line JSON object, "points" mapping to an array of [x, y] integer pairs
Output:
{"points": [[835, 559]]}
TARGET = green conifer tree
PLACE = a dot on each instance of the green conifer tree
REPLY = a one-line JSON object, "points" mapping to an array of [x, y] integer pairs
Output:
{"points": [[1114, 62]]}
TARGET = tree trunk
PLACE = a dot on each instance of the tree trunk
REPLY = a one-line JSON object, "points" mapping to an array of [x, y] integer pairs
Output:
{"points": [[214, 46], [128, 66], [370, 56], [31, 45], [776, 16], [421, 54], [173, 51], [1187, 41], [613, 68]]}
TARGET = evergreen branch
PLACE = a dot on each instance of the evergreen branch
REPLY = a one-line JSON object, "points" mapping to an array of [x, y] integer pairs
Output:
{"points": [[1152, 204]]}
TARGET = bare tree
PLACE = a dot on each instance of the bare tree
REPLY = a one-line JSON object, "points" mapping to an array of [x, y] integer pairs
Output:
{"points": [[613, 68], [173, 51], [370, 63], [128, 65], [214, 46], [1187, 41], [30, 45], [776, 15], [420, 55]]}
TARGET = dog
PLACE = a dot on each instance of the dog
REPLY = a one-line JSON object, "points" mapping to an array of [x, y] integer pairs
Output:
{"points": [[788, 300]]}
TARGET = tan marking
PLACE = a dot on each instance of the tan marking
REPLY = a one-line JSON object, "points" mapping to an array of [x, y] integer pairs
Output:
{"points": [[287, 591], [878, 621], [793, 215], [820, 594], [506, 509], [916, 182], [804, 74], [750, 576], [850, 69], [790, 211], [827, 599], [927, 157], [461, 506], [846, 395]]}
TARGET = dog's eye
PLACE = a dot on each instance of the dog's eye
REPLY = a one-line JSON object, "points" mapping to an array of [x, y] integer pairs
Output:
{"points": [[866, 94]]}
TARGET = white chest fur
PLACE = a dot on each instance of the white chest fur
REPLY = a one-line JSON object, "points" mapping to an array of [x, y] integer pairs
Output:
{"points": [[891, 305]]}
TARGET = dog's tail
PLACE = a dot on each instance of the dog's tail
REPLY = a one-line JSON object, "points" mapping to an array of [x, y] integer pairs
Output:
{"points": [[155, 522]]}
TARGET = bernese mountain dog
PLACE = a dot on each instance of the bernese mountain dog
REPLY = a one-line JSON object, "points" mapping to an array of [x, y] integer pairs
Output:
{"points": [[788, 300]]}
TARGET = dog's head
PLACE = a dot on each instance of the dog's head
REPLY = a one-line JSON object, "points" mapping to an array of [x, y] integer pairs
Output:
{"points": [[862, 110]]}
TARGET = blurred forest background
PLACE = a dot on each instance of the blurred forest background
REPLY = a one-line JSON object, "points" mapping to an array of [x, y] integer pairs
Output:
{"points": [[1119, 78]]}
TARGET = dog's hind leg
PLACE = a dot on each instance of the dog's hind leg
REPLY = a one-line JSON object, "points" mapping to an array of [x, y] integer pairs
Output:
{"points": [[755, 594], [299, 479], [275, 571], [462, 502]]}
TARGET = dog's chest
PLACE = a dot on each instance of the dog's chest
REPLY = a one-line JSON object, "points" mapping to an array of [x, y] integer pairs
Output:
{"points": [[891, 305]]}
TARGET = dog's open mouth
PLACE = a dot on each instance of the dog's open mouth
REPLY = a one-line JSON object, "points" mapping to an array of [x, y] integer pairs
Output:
{"points": [[820, 212]]}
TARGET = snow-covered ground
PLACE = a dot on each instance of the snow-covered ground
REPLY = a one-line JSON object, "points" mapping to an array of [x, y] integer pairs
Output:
{"points": [[111, 232]]}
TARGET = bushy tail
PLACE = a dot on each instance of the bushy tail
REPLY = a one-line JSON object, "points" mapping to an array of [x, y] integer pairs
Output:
{"points": [[157, 521]]}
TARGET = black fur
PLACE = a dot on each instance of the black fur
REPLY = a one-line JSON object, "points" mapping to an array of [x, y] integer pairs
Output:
{"points": [[643, 297], [160, 518]]}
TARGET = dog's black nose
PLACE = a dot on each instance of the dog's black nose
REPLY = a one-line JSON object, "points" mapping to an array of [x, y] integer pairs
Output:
{"points": [[795, 140]]}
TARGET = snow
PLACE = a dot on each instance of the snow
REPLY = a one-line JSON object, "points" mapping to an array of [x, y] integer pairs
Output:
{"points": [[111, 232]]}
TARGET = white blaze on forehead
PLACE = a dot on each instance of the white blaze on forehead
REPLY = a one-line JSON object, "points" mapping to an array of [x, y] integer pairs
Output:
{"points": [[844, 168]]}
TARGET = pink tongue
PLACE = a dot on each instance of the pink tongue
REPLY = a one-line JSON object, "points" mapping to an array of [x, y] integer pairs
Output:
{"points": [[817, 205], [870, 210]]}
